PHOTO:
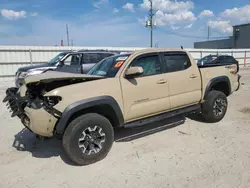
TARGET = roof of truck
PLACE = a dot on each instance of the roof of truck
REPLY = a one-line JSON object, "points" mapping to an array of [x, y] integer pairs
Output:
{"points": [[149, 50]]}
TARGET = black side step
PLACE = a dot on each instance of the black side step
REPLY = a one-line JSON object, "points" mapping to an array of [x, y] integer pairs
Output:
{"points": [[160, 117]]}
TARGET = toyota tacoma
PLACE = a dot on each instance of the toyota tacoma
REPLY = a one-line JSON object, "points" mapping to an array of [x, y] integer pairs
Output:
{"points": [[125, 90]]}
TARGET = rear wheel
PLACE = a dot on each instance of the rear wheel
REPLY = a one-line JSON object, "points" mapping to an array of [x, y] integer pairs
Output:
{"points": [[215, 106], [88, 139]]}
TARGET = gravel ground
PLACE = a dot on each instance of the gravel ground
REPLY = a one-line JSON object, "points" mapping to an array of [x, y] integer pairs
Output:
{"points": [[192, 154]]}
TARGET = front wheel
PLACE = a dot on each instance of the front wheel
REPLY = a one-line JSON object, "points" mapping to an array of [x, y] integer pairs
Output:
{"points": [[215, 106], [88, 139]]}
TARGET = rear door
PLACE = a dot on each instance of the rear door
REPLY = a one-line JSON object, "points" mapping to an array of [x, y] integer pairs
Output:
{"points": [[184, 79], [147, 94], [90, 59]]}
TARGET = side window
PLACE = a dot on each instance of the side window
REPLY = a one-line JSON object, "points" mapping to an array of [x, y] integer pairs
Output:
{"points": [[150, 64], [229, 59], [93, 58], [73, 59], [176, 61]]}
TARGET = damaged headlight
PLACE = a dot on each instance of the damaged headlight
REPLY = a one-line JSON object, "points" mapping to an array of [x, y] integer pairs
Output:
{"points": [[52, 100]]}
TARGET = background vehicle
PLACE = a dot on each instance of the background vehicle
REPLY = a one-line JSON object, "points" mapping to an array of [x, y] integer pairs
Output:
{"points": [[215, 60], [75, 62], [82, 61], [120, 91]]}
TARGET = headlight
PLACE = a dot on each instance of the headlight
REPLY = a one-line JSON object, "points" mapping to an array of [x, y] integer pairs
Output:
{"points": [[30, 73], [23, 74], [34, 72]]}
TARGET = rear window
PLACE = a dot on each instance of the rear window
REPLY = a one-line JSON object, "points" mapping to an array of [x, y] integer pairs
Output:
{"points": [[93, 58], [207, 59], [176, 61]]}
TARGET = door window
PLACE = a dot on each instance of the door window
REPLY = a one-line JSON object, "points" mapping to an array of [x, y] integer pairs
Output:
{"points": [[176, 61], [229, 59], [73, 59], [151, 65]]}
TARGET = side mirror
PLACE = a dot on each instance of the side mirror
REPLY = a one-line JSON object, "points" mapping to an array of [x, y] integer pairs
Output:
{"points": [[134, 71]]}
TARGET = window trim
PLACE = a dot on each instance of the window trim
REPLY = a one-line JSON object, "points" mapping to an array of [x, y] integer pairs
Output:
{"points": [[162, 55], [142, 56]]}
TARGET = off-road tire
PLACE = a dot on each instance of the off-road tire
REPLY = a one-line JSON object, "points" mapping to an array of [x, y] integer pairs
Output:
{"points": [[74, 132], [208, 107]]}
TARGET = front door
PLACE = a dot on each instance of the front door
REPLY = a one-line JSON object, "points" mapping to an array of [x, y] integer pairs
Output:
{"points": [[147, 94], [71, 64], [184, 79]]}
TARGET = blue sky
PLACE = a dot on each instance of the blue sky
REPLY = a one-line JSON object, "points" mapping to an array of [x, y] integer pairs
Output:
{"points": [[118, 22]]}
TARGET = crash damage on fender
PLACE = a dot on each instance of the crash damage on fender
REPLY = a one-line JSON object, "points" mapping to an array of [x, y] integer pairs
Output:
{"points": [[35, 110]]}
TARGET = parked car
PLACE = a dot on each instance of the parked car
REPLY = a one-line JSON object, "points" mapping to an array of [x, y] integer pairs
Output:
{"points": [[71, 61], [125, 90], [217, 60]]}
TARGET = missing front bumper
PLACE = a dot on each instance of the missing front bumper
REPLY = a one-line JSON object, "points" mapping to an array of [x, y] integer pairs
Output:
{"points": [[40, 121]]}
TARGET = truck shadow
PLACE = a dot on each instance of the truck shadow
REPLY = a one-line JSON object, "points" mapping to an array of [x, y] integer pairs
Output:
{"points": [[26, 141]]}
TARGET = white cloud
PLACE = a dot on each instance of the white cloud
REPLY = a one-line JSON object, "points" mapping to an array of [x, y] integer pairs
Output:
{"points": [[231, 17], [188, 26], [98, 4], [237, 15], [34, 14], [13, 15], [116, 10], [129, 6], [206, 13], [168, 5], [181, 18], [175, 28], [223, 26], [171, 13]]}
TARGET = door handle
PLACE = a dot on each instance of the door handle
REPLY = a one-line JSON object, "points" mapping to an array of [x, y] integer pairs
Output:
{"points": [[162, 81], [193, 76]]}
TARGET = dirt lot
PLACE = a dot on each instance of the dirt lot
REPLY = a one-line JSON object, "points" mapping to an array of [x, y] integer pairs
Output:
{"points": [[192, 154]]}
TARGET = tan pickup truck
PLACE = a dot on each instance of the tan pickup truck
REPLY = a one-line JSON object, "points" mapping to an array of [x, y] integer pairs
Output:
{"points": [[120, 91]]}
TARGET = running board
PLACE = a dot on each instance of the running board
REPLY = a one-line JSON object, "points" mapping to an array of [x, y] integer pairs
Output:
{"points": [[160, 117], [147, 130]]}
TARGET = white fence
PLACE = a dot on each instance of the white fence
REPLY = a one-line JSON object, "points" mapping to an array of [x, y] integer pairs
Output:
{"points": [[13, 57]]}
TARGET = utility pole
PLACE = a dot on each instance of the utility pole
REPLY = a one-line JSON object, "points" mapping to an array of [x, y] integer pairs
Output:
{"points": [[72, 42], [208, 33], [67, 30], [149, 22]]}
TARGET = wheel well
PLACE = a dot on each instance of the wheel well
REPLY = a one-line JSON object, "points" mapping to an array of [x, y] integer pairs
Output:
{"points": [[104, 110], [221, 86]]}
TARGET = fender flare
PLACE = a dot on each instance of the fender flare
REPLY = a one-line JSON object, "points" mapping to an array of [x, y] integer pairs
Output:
{"points": [[87, 103], [216, 80]]}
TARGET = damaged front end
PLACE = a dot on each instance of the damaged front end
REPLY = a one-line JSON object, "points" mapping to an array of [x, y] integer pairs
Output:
{"points": [[36, 112], [32, 104]]}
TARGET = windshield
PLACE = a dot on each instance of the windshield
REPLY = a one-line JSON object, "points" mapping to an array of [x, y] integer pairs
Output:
{"points": [[109, 66], [56, 59]]}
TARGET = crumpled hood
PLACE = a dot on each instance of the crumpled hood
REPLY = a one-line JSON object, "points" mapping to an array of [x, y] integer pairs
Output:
{"points": [[54, 75]]}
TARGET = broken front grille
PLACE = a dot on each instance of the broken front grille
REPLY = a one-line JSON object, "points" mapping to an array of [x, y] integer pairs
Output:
{"points": [[14, 102]]}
